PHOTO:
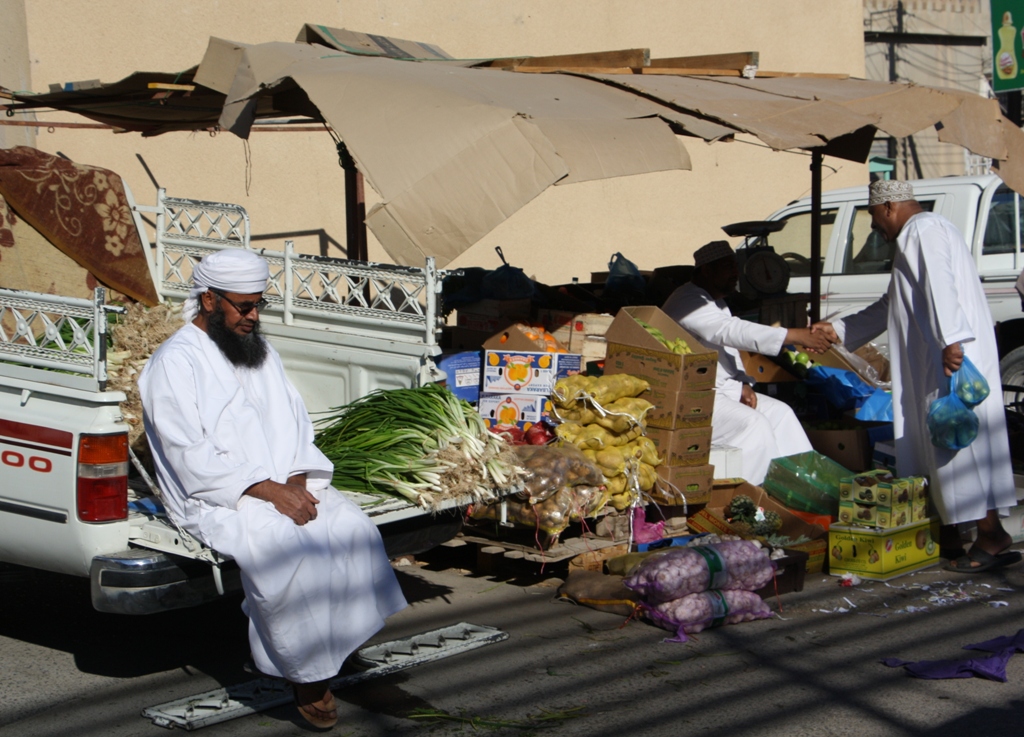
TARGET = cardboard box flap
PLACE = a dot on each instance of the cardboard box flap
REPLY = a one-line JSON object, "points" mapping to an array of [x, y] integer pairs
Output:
{"points": [[792, 526], [521, 337], [626, 330]]}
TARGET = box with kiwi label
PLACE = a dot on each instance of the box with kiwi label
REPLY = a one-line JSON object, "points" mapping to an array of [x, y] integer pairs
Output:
{"points": [[858, 514], [883, 554], [919, 509], [862, 488], [888, 517], [881, 489]]}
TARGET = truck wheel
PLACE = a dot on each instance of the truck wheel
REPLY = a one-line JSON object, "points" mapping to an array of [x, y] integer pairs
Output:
{"points": [[1011, 368]]}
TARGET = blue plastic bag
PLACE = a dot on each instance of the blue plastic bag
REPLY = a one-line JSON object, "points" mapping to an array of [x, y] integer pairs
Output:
{"points": [[970, 384], [876, 408], [843, 389], [951, 423], [506, 282]]}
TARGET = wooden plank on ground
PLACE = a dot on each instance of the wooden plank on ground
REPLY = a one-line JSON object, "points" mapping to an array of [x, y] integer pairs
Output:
{"points": [[489, 549]]}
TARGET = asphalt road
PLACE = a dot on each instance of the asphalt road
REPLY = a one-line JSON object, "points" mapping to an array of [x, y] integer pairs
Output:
{"points": [[565, 670]]}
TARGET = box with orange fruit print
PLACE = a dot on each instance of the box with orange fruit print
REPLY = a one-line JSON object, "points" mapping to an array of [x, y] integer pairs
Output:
{"points": [[519, 410], [525, 360]]}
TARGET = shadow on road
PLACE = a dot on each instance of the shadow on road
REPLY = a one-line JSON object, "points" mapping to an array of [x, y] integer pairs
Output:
{"points": [[54, 611]]}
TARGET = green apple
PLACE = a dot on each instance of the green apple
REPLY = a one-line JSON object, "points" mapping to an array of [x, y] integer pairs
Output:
{"points": [[802, 358]]}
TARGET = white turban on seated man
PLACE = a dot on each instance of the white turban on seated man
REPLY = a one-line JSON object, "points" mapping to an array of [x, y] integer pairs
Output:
{"points": [[233, 448]]}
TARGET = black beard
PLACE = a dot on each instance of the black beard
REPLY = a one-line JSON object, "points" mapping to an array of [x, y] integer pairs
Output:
{"points": [[246, 351]]}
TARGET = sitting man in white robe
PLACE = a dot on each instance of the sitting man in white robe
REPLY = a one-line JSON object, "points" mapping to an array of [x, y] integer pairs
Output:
{"points": [[763, 428], [936, 312], [234, 454]]}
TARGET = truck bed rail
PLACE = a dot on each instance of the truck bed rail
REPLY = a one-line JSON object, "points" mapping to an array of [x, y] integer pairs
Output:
{"points": [[303, 289], [59, 333]]}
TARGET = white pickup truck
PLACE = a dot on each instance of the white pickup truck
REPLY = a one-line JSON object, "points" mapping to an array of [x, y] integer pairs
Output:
{"points": [[73, 501], [856, 261]]}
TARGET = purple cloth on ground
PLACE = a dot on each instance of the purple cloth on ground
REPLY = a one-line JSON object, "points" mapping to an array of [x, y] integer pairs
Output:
{"points": [[1000, 643], [992, 667]]}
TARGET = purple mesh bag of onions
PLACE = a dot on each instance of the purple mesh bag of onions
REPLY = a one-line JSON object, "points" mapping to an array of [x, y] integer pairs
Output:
{"points": [[730, 565]]}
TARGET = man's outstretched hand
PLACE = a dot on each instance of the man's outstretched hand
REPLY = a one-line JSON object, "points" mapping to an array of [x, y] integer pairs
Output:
{"points": [[289, 499], [826, 329], [814, 341]]}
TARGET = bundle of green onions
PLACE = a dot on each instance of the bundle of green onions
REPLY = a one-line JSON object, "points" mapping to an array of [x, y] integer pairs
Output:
{"points": [[423, 444]]}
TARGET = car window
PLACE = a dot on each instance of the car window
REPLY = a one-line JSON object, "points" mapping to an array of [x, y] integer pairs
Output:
{"points": [[1002, 230], [793, 242], [867, 251]]}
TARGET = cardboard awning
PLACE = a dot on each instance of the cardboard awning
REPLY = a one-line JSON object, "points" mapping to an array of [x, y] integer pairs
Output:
{"points": [[454, 151], [454, 147]]}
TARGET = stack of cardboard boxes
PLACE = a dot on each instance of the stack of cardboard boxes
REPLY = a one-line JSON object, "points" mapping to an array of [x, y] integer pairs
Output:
{"points": [[683, 394], [520, 368], [884, 529], [877, 499]]}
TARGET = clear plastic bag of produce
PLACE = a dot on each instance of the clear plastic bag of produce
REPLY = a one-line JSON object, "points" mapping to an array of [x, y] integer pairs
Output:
{"points": [[970, 385], [865, 370], [697, 612], [951, 423], [730, 565], [552, 514], [549, 468], [807, 482]]}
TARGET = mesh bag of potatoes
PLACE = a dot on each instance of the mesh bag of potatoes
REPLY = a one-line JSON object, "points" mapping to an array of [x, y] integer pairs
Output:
{"points": [[604, 417], [561, 486]]}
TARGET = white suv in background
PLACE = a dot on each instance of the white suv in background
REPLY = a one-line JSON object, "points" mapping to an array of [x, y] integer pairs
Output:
{"points": [[856, 261]]}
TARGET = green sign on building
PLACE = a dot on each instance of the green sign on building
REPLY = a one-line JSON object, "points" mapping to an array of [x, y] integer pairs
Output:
{"points": [[1007, 45]]}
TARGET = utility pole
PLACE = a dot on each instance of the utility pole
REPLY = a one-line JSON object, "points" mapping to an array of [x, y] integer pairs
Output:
{"points": [[898, 37], [892, 143]]}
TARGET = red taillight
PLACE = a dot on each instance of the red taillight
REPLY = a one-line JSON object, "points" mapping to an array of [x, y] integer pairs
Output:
{"points": [[103, 477]]}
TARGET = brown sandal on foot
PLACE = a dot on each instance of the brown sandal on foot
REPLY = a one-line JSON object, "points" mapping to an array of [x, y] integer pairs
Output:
{"points": [[322, 714]]}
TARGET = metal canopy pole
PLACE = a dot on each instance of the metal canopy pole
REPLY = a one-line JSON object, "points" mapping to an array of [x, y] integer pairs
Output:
{"points": [[355, 206], [816, 160]]}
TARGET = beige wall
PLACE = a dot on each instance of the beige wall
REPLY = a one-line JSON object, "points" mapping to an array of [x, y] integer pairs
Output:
{"points": [[14, 66], [655, 220]]}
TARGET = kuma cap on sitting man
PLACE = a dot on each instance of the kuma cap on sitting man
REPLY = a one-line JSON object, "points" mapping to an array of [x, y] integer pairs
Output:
{"points": [[711, 252], [889, 190]]}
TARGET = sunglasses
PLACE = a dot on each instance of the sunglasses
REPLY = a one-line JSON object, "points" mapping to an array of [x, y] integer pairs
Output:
{"points": [[246, 307]]}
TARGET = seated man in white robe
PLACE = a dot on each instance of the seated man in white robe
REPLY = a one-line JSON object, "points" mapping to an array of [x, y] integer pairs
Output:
{"points": [[763, 428], [233, 448]]}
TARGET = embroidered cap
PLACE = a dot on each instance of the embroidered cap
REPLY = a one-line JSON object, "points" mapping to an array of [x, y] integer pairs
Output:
{"points": [[889, 190], [712, 251]]}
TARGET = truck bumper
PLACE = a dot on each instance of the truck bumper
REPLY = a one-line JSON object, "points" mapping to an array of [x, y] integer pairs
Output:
{"points": [[147, 582]]}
